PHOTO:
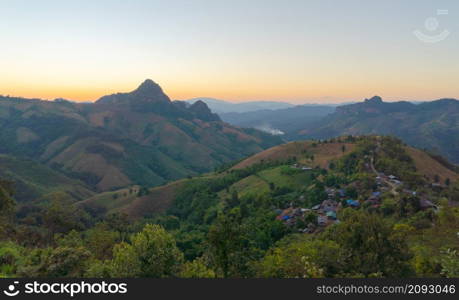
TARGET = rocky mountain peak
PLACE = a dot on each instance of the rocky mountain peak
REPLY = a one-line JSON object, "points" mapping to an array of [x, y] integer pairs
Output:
{"points": [[374, 99], [202, 111]]}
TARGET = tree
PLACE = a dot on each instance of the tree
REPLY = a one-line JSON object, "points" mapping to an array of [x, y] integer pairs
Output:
{"points": [[152, 253], [450, 263], [196, 269], [143, 191], [234, 200], [10, 258], [60, 216], [125, 262], [436, 178], [228, 244], [372, 244], [301, 258], [7, 203], [100, 241], [57, 262], [118, 222]]}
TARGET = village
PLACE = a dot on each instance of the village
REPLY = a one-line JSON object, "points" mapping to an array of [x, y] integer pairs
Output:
{"points": [[325, 214]]}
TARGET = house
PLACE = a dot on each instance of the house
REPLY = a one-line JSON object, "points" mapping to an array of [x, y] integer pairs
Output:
{"points": [[316, 207], [310, 228], [392, 177], [352, 203], [297, 212], [376, 194], [342, 192], [330, 192], [410, 192], [284, 213], [306, 168], [372, 202], [329, 205], [331, 215], [437, 185], [322, 220], [426, 204]]}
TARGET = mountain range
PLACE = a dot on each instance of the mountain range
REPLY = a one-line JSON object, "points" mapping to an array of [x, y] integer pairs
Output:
{"points": [[430, 125], [286, 122], [222, 106], [140, 137]]}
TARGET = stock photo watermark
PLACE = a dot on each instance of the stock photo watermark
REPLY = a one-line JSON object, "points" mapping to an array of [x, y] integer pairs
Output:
{"points": [[71, 289], [431, 33]]}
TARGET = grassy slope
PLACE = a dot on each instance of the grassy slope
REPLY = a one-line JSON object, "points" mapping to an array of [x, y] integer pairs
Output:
{"points": [[36, 181], [127, 200], [428, 166], [323, 153]]}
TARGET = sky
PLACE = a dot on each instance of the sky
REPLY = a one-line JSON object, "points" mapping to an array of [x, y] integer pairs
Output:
{"points": [[294, 51]]}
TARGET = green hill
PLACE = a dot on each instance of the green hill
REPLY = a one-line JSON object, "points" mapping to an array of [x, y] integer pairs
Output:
{"points": [[431, 125], [272, 169], [140, 137], [36, 182]]}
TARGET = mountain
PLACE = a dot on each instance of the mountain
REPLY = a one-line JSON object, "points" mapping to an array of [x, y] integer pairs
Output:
{"points": [[431, 125], [221, 106], [286, 122], [140, 137]]}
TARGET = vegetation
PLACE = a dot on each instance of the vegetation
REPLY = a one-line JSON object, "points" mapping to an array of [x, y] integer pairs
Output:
{"points": [[429, 125], [254, 219]]}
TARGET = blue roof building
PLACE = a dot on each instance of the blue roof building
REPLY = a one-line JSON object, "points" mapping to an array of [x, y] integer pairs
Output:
{"points": [[353, 203]]}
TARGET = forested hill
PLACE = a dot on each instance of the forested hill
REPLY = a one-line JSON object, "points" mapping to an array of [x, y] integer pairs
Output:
{"points": [[430, 125]]}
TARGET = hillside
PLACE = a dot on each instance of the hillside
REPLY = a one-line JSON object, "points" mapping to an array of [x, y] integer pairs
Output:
{"points": [[36, 182], [140, 137], [257, 175], [430, 125], [365, 206], [305, 152], [135, 201], [280, 201]]}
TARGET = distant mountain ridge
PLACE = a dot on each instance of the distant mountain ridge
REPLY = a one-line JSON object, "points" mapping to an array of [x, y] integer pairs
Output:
{"points": [[431, 125], [221, 106], [288, 120], [140, 137]]}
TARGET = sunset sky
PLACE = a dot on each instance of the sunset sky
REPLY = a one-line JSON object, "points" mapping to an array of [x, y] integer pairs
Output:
{"points": [[294, 51]]}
